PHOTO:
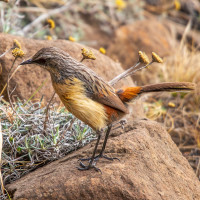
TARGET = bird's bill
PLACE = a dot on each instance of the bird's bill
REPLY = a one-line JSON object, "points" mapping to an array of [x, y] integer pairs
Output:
{"points": [[26, 62]]}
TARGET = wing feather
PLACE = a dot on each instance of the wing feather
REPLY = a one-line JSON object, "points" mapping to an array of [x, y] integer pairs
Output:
{"points": [[103, 93], [97, 89]]}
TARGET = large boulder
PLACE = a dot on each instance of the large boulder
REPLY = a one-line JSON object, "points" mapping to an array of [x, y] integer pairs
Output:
{"points": [[150, 167], [145, 35], [29, 78]]}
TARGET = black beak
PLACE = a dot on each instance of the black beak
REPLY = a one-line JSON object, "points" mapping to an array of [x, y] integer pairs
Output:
{"points": [[26, 62]]}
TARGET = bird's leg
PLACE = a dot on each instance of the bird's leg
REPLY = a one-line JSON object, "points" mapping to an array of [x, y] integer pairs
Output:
{"points": [[91, 160], [104, 146], [96, 158], [105, 140]]}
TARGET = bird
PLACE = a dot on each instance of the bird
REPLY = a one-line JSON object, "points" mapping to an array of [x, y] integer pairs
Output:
{"points": [[90, 98]]}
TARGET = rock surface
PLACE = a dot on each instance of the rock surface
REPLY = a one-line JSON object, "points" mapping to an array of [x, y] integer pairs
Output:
{"points": [[150, 167], [146, 35], [29, 78]]}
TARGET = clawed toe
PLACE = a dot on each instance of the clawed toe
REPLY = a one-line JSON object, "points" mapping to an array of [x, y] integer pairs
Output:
{"points": [[109, 158], [84, 167], [84, 159], [96, 158]]}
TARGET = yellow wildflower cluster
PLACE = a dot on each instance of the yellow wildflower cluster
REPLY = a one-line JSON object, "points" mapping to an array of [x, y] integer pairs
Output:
{"points": [[143, 58], [17, 44], [72, 39], [156, 58], [120, 4], [102, 50], [16, 52], [88, 54], [177, 4], [51, 23], [48, 37], [171, 104]]}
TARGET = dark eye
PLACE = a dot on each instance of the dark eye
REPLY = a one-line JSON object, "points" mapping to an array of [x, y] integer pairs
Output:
{"points": [[40, 61]]}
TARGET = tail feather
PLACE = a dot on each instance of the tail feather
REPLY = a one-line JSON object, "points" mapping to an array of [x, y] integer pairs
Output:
{"points": [[129, 93], [170, 87]]}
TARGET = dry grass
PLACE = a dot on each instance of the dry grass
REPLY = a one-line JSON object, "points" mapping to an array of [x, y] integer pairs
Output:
{"points": [[27, 146], [183, 120]]}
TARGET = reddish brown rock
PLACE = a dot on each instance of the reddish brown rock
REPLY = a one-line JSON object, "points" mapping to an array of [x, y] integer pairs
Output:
{"points": [[150, 167], [147, 35], [29, 78]]}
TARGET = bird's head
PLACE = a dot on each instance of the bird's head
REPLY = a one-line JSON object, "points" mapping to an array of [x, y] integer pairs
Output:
{"points": [[52, 59], [44, 57]]}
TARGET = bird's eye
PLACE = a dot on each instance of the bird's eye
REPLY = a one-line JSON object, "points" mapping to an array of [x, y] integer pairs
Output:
{"points": [[40, 61]]}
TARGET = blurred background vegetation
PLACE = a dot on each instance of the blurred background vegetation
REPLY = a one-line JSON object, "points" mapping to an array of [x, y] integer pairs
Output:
{"points": [[119, 28]]}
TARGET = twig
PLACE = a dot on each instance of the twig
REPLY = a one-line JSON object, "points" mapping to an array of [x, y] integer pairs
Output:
{"points": [[44, 16], [128, 72], [9, 78], [82, 59], [123, 75], [3, 54], [71, 123], [46, 113], [41, 29], [31, 9], [68, 129], [36, 91], [1, 145]]}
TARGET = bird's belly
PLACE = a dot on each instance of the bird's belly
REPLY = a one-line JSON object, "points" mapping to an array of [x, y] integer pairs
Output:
{"points": [[87, 110]]}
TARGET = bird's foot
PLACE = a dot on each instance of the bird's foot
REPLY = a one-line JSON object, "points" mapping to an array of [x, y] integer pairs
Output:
{"points": [[96, 158], [93, 163], [108, 158], [87, 167], [121, 123]]}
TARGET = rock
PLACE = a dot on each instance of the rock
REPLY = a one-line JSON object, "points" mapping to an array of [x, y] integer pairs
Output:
{"points": [[29, 78], [145, 35], [150, 167]]}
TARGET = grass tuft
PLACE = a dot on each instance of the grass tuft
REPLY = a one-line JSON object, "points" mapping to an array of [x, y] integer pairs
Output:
{"points": [[182, 120], [25, 148]]}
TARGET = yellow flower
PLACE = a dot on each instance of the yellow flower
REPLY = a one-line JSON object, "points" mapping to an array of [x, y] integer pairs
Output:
{"points": [[17, 44], [143, 58], [177, 4], [171, 104], [102, 50], [48, 37], [120, 4], [17, 52], [156, 58], [51, 23], [88, 54], [72, 39]]}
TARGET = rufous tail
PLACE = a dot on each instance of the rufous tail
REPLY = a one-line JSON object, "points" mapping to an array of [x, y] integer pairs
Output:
{"points": [[129, 93]]}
